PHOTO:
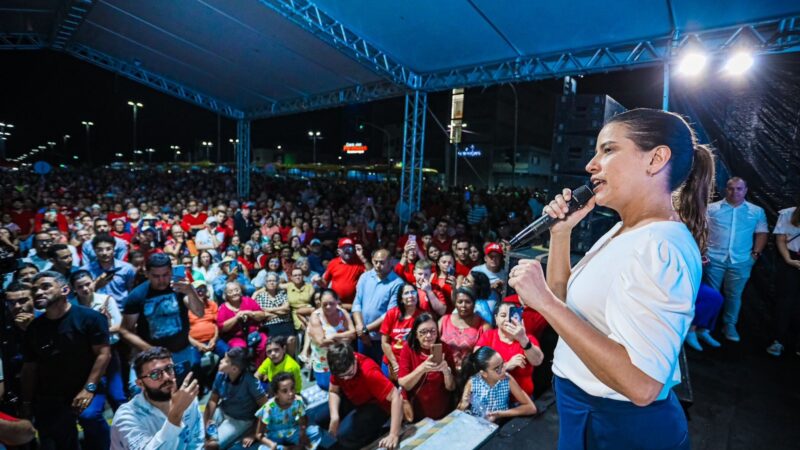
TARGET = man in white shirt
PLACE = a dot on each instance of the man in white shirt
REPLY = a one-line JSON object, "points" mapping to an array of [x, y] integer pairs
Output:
{"points": [[738, 232], [494, 266], [163, 415]]}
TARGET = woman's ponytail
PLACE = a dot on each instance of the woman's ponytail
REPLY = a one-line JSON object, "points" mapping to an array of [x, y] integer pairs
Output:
{"points": [[692, 198]]}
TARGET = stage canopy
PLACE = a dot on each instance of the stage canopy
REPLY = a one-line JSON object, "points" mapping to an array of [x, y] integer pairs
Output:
{"points": [[250, 59]]}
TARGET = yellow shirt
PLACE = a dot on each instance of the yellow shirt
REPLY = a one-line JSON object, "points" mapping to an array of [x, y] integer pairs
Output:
{"points": [[268, 370], [299, 298]]}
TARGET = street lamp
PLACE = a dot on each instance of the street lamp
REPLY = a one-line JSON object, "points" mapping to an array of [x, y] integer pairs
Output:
{"points": [[118, 155], [135, 106], [207, 145], [315, 136], [150, 152], [177, 150], [87, 124], [233, 144]]}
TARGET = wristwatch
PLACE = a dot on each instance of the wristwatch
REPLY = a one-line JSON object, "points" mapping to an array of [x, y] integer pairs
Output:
{"points": [[365, 330], [91, 387], [529, 346]]}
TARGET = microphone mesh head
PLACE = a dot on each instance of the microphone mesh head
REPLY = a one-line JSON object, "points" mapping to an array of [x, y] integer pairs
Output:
{"points": [[582, 194]]}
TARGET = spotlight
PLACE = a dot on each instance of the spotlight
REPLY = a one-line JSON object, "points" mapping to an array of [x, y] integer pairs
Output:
{"points": [[739, 63], [692, 63]]}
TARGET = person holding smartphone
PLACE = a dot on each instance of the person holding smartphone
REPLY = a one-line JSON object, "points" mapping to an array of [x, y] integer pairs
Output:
{"points": [[426, 371]]}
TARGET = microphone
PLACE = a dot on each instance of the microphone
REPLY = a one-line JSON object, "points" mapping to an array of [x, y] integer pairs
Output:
{"points": [[580, 196]]}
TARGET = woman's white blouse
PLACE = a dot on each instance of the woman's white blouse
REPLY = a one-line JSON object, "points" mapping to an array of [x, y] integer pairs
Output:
{"points": [[639, 290]]}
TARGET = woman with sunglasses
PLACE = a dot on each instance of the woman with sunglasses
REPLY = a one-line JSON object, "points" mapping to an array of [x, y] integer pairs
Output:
{"points": [[428, 382], [488, 388]]}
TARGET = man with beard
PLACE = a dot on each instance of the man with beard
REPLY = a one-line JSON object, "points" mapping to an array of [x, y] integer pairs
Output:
{"points": [[18, 316], [163, 415], [41, 243], [65, 354]]}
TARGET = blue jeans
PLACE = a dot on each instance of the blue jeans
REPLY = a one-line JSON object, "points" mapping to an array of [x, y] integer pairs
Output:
{"points": [[315, 437], [729, 279], [115, 387], [374, 351], [323, 380], [55, 419], [359, 425]]}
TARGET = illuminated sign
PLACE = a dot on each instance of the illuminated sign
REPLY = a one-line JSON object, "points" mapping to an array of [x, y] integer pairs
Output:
{"points": [[469, 151], [354, 148]]}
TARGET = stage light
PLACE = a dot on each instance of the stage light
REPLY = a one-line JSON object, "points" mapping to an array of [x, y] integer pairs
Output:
{"points": [[739, 63], [692, 63]]}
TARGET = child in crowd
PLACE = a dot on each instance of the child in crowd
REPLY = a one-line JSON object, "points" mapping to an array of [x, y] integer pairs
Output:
{"points": [[282, 420], [487, 388], [238, 394], [278, 361]]}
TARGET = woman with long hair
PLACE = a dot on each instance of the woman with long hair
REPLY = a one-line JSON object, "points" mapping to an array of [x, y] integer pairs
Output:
{"points": [[623, 311], [329, 324], [396, 324], [427, 382], [787, 308]]}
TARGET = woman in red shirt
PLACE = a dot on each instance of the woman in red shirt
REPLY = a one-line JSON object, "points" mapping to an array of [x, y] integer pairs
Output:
{"points": [[395, 327], [519, 350], [118, 231], [428, 384], [247, 257], [462, 329], [445, 270]]}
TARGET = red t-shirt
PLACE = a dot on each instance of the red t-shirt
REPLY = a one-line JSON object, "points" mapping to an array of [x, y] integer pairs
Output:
{"points": [[23, 221], [533, 322], [406, 272], [429, 397], [112, 216], [343, 278], [522, 375], [462, 270], [397, 328], [188, 220], [439, 284], [425, 304], [445, 245], [369, 385]]}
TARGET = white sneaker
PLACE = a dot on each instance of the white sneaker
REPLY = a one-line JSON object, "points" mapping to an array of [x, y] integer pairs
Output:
{"points": [[775, 349], [691, 341], [705, 336], [729, 331]]}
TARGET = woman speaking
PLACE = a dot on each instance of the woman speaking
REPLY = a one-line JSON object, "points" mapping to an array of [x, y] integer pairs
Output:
{"points": [[623, 311]]}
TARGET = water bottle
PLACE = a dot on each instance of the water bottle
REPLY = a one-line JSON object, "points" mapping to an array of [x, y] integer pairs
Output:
{"points": [[211, 432]]}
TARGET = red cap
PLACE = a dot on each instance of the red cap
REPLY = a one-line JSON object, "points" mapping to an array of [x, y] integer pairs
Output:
{"points": [[343, 242], [493, 247]]}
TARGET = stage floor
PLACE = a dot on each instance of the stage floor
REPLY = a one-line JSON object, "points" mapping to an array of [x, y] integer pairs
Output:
{"points": [[743, 399]]}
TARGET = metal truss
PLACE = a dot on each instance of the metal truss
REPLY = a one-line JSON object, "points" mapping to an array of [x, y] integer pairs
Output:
{"points": [[68, 19], [22, 41], [306, 15], [773, 36], [153, 80], [243, 159], [413, 154], [355, 94]]}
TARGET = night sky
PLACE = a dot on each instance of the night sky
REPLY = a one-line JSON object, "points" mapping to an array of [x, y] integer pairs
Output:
{"points": [[47, 94]]}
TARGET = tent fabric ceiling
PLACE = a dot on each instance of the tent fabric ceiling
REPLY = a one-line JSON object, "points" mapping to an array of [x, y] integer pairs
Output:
{"points": [[249, 54]]}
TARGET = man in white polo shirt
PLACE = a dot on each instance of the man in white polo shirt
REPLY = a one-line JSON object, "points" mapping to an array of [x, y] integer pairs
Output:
{"points": [[738, 232]]}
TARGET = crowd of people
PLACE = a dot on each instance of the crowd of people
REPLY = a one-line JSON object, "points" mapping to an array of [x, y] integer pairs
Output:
{"points": [[143, 291]]}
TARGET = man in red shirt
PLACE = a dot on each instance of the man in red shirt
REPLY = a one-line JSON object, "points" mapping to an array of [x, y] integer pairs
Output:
{"points": [[24, 218], [463, 263], [360, 401], [441, 239], [343, 272], [194, 219]]}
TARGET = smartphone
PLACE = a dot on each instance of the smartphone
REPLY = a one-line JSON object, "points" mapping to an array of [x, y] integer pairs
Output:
{"points": [[452, 271], [436, 351], [112, 271], [412, 237], [516, 312], [178, 273]]}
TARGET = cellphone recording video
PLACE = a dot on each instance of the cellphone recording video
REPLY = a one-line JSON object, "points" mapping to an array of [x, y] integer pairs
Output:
{"points": [[516, 312]]}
